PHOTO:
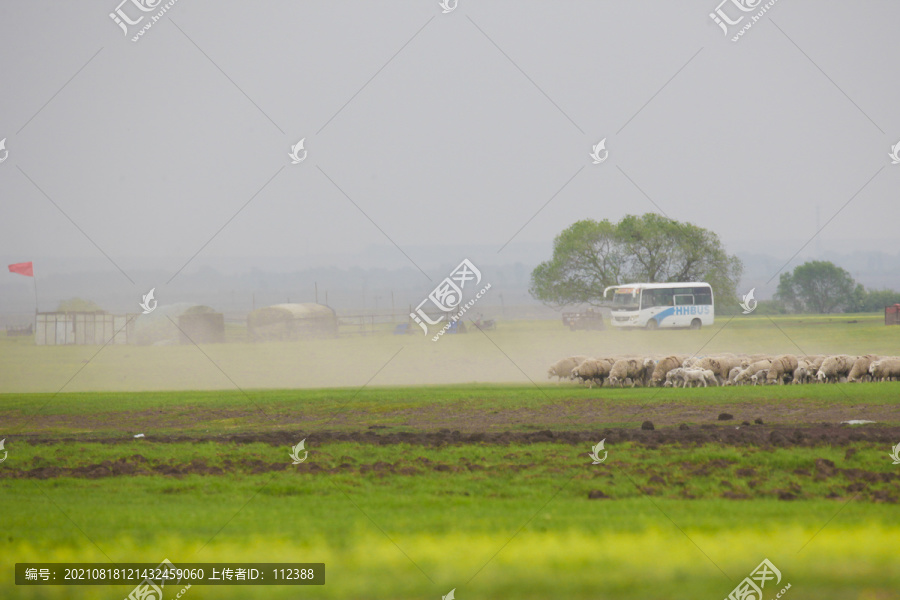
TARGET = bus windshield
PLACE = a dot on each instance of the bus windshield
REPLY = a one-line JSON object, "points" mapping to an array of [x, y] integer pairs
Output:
{"points": [[624, 299]]}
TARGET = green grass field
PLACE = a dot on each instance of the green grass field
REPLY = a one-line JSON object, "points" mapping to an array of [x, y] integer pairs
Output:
{"points": [[376, 530], [392, 517], [413, 521], [471, 407]]}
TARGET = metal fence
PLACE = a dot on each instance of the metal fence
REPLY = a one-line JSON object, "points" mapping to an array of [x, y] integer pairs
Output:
{"points": [[82, 328]]}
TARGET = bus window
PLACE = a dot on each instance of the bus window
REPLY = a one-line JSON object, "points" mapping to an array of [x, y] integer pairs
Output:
{"points": [[683, 299], [667, 297], [702, 295], [659, 297]]}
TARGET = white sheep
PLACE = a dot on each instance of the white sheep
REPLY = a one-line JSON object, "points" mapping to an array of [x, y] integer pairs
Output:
{"points": [[781, 366], [860, 368], [563, 367], [732, 375], [692, 376], [721, 365], [801, 375], [815, 363], [593, 370], [711, 377], [630, 368], [662, 369], [751, 370], [674, 377], [885, 369], [724, 369], [835, 367], [698, 376], [759, 376]]}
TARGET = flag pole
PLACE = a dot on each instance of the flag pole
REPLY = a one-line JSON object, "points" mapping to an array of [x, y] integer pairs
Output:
{"points": [[35, 293]]}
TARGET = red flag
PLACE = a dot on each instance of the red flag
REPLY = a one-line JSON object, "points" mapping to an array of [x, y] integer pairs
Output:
{"points": [[26, 269]]}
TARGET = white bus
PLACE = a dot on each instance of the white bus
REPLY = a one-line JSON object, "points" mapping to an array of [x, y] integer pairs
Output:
{"points": [[655, 305]]}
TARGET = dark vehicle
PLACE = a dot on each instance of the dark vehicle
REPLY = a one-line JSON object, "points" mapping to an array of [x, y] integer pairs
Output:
{"points": [[589, 320], [485, 324]]}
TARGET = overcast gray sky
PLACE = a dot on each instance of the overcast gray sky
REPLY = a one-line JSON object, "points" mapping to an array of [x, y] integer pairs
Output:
{"points": [[444, 129]]}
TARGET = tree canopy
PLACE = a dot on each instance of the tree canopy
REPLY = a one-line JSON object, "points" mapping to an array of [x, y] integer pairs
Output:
{"points": [[591, 255], [823, 287], [872, 300], [816, 286]]}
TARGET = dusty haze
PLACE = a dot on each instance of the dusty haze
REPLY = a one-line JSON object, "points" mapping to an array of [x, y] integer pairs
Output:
{"points": [[431, 138]]}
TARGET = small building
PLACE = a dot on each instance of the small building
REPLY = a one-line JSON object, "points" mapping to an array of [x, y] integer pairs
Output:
{"points": [[892, 315], [82, 328], [179, 322], [201, 325], [291, 322]]}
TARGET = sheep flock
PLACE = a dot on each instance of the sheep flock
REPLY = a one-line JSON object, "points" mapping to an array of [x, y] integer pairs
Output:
{"points": [[725, 369]]}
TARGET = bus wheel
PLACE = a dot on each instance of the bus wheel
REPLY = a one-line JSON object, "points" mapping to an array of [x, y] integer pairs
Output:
{"points": [[652, 324], [695, 324]]}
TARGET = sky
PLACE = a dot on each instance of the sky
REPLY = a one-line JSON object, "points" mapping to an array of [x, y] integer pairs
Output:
{"points": [[425, 130]]}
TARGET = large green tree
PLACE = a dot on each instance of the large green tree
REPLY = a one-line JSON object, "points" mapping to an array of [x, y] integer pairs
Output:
{"points": [[818, 287], [592, 255]]}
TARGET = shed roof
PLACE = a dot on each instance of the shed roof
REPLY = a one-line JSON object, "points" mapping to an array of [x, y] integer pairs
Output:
{"points": [[282, 312]]}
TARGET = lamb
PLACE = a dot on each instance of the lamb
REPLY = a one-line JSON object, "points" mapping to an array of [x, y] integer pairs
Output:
{"points": [[710, 377], [563, 367], [699, 376], [662, 369], [593, 370], [860, 368], [732, 375], [675, 376], [633, 368], [835, 367], [885, 369], [759, 376], [751, 370], [781, 366], [802, 375], [721, 365]]}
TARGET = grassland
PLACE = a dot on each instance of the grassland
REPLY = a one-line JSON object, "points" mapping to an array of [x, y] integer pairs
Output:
{"points": [[516, 352], [411, 490], [413, 520], [403, 521]]}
